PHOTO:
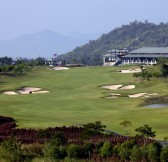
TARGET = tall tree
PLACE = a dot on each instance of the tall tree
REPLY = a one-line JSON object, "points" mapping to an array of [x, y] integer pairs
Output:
{"points": [[145, 132]]}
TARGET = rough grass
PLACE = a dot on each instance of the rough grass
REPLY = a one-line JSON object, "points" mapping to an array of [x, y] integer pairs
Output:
{"points": [[76, 97]]}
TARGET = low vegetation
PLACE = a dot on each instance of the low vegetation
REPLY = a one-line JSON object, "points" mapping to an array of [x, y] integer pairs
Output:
{"points": [[66, 144]]}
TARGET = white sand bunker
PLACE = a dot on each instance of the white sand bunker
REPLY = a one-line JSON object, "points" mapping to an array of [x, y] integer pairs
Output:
{"points": [[28, 90], [119, 86], [142, 95], [128, 87], [112, 87], [10, 93], [130, 71], [60, 68]]}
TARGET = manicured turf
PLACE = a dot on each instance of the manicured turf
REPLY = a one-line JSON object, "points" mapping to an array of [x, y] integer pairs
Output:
{"points": [[76, 97]]}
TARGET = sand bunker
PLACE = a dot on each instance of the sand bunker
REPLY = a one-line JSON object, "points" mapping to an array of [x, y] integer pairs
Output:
{"points": [[26, 90], [137, 95], [115, 95], [152, 94], [128, 87], [41, 92], [142, 95], [112, 87], [60, 68], [130, 71], [119, 86], [10, 93]]}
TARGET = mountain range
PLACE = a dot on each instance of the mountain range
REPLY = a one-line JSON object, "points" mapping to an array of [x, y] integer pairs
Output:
{"points": [[44, 43], [134, 35]]}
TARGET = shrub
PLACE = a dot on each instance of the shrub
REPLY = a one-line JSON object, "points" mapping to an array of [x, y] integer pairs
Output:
{"points": [[126, 149], [74, 151], [11, 150], [144, 151], [106, 150], [88, 149], [136, 154], [154, 150], [164, 155], [116, 149], [32, 150]]}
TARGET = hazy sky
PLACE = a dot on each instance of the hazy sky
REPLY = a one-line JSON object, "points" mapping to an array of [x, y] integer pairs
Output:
{"points": [[18, 17]]}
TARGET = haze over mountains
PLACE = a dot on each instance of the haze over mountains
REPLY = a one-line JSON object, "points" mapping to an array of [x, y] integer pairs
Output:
{"points": [[44, 43]]}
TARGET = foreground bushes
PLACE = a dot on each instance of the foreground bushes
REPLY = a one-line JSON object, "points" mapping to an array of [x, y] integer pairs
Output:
{"points": [[76, 144], [12, 151]]}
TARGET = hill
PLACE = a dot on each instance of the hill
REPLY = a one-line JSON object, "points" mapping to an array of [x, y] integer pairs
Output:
{"points": [[43, 43], [135, 35]]}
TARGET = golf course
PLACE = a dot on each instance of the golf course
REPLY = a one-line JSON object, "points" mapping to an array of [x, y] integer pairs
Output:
{"points": [[78, 95]]}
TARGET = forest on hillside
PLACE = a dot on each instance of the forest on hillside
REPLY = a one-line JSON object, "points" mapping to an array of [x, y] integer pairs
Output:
{"points": [[134, 35]]}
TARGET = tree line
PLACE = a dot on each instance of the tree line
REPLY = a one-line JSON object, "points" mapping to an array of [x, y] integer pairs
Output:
{"points": [[18, 66]]}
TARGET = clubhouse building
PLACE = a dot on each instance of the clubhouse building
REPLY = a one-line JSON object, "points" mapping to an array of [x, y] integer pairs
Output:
{"points": [[144, 55]]}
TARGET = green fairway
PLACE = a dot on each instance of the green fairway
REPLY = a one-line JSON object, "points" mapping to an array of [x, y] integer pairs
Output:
{"points": [[76, 97]]}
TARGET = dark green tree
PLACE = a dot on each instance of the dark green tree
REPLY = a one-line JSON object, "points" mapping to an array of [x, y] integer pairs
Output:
{"points": [[6, 60], [145, 132], [39, 61], [97, 126], [91, 129]]}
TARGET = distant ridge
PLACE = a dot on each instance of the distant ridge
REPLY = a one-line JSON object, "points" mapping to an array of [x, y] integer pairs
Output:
{"points": [[131, 36], [43, 43]]}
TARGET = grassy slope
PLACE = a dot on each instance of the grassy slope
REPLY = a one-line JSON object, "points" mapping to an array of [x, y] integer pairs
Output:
{"points": [[76, 98]]}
